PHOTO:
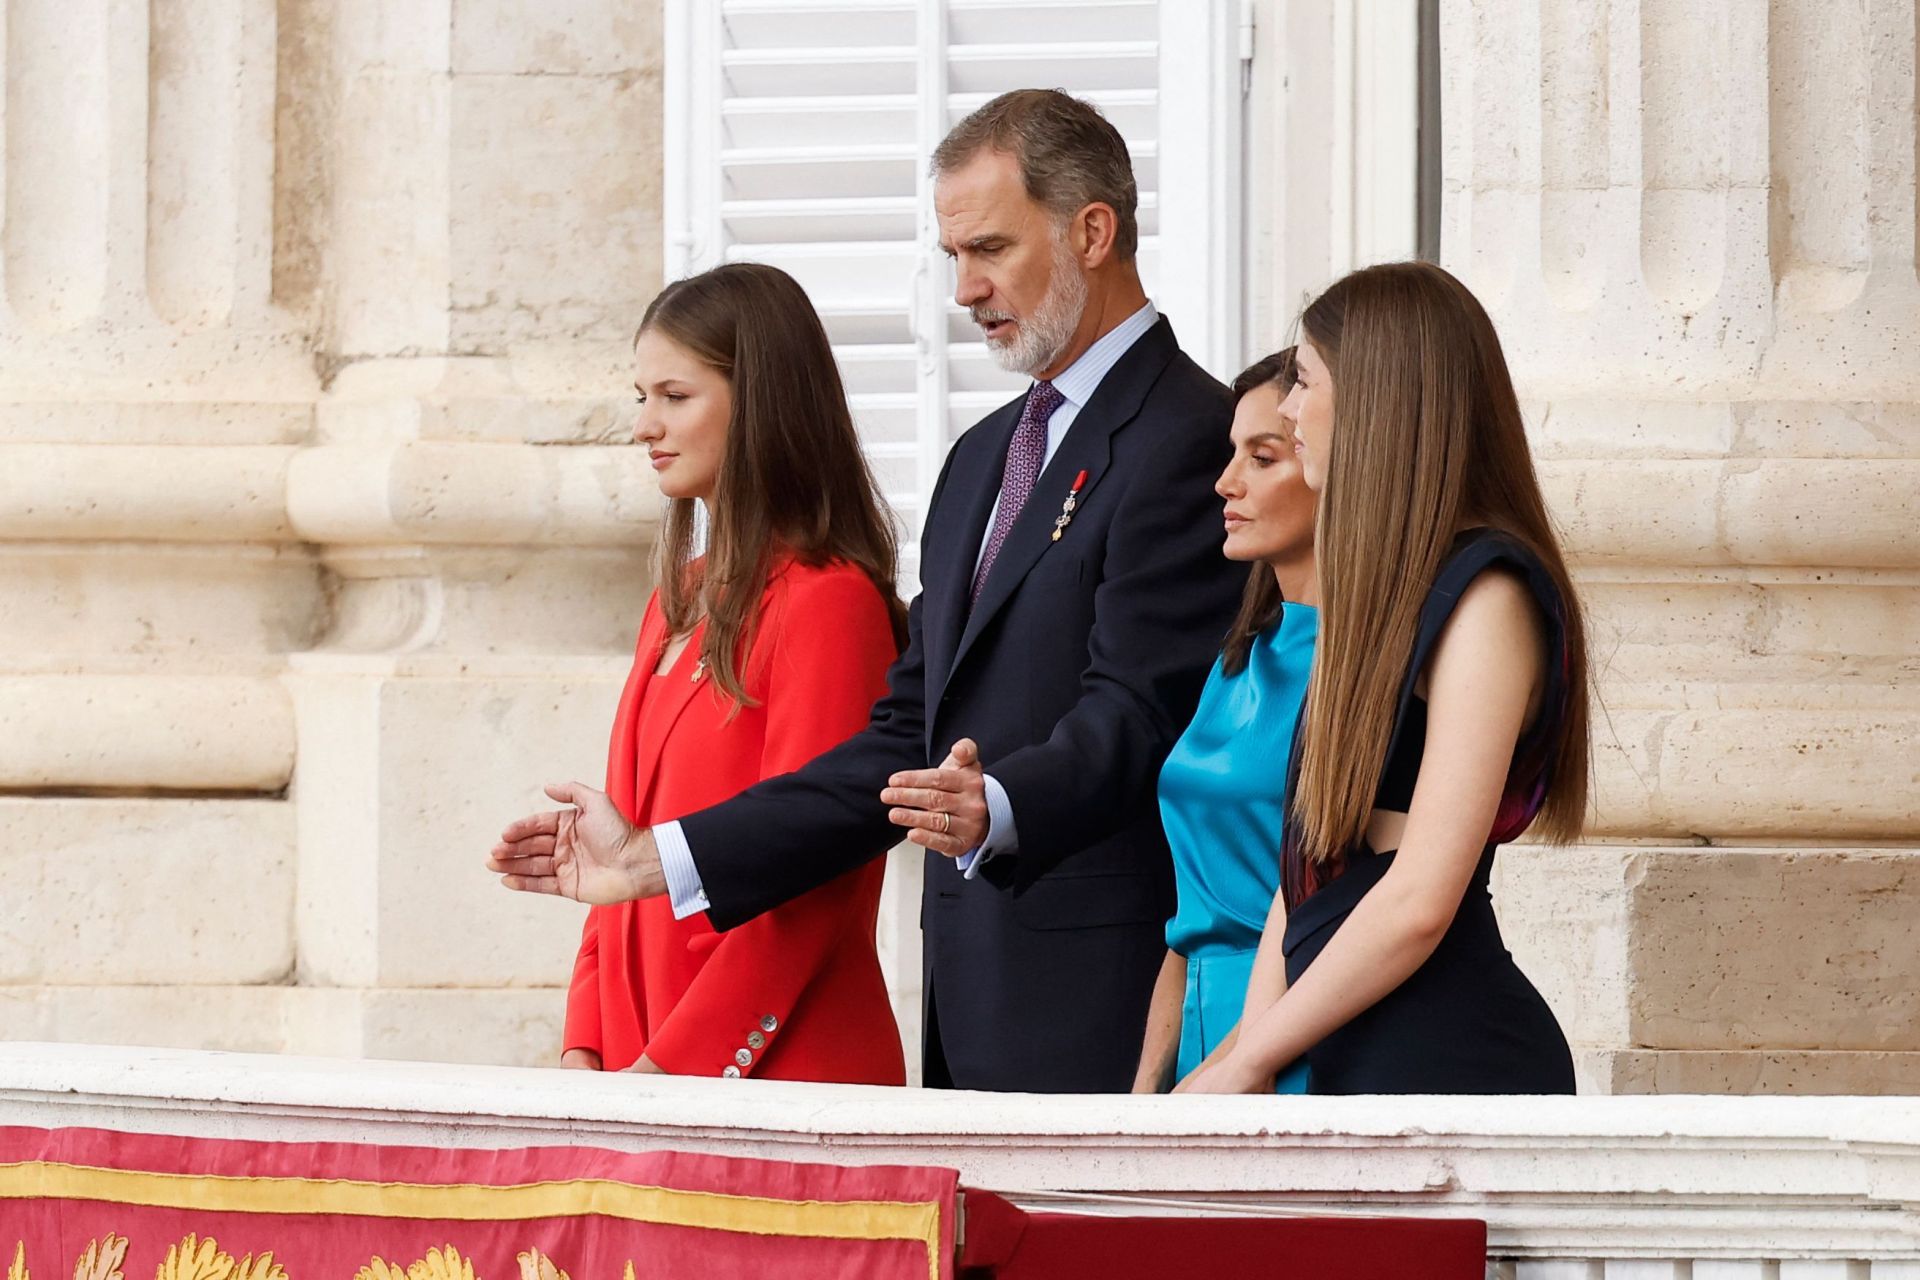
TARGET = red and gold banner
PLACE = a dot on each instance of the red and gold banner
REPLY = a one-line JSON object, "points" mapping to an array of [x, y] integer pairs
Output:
{"points": [[99, 1205]]}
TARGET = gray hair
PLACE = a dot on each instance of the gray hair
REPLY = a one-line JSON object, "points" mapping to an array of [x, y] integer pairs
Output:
{"points": [[1070, 155]]}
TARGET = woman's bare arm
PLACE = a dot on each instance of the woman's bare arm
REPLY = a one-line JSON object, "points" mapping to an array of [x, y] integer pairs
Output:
{"points": [[1484, 672], [1268, 981], [1162, 1046]]}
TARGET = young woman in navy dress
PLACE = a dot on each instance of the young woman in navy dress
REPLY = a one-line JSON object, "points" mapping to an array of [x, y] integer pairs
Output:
{"points": [[1447, 711]]}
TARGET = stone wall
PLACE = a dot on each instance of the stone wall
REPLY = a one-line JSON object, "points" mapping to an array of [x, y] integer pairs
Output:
{"points": [[317, 560], [1693, 221], [318, 557]]}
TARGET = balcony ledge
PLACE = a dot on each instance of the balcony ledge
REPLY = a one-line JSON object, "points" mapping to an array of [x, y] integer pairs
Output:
{"points": [[1679, 1177]]}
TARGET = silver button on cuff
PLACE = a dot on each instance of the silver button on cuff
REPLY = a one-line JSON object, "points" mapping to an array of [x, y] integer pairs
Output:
{"points": [[755, 1040], [744, 1057], [769, 1024], [730, 1071]]}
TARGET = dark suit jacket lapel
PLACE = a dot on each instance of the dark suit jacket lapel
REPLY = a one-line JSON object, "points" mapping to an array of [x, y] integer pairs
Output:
{"points": [[947, 584], [1087, 447]]}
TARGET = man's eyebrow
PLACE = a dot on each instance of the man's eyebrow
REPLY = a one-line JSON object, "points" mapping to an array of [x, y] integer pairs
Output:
{"points": [[978, 244]]}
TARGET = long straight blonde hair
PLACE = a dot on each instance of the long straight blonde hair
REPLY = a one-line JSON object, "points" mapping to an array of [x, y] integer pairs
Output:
{"points": [[1427, 442]]}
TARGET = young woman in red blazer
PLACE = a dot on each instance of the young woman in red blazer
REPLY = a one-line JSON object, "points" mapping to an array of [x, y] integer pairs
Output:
{"points": [[754, 656]]}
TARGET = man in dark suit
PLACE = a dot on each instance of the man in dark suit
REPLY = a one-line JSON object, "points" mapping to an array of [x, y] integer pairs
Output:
{"points": [[1073, 597]]}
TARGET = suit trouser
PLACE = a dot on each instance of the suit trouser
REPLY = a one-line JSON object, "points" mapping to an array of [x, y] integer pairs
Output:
{"points": [[934, 1072]]}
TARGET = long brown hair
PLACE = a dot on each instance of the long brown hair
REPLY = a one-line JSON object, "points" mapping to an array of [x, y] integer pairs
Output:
{"points": [[1427, 441], [792, 476], [1260, 601]]}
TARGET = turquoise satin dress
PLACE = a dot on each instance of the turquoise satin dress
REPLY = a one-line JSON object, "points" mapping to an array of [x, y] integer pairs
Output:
{"points": [[1222, 799]]}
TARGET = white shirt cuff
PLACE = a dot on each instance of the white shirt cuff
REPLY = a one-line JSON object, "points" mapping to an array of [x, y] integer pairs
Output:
{"points": [[1001, 836], [684, 889]]}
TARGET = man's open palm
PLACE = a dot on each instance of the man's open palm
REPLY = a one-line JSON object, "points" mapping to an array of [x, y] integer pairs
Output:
{"points": [[576, 853]]}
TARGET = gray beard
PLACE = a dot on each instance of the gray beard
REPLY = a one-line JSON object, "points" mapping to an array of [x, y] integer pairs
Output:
{"points": [[1044, 335]]}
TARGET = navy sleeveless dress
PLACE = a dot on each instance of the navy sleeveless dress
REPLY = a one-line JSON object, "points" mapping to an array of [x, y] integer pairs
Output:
{"points": [[1466, 1021]]}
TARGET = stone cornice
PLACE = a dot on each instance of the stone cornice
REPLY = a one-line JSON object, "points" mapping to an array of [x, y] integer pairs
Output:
{"points": [[479, 494], [172, 493], [221, 733], [412, 493], [1827, 513], [1651, 513]]}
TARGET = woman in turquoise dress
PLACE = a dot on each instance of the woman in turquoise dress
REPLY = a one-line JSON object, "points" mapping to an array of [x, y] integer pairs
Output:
{"points": [[1223, 787]]}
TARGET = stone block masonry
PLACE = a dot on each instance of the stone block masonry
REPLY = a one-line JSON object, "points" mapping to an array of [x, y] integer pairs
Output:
{"points": [[1694, 226], [318, 553]]}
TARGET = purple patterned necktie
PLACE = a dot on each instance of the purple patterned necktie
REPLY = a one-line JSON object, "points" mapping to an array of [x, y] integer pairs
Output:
{"points": [[1025, 454]]}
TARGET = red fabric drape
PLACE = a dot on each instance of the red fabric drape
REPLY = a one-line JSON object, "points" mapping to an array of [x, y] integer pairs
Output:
{"points": [[1003, 1243]]}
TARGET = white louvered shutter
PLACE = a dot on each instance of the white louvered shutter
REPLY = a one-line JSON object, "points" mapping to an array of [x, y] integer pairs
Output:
{"points": [[798, 134]]}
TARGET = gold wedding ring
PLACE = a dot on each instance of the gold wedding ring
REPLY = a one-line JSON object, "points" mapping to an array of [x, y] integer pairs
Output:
{"points": [[946, 823]]}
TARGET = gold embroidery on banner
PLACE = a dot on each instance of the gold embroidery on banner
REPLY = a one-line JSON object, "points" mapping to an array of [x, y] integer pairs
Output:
{"points": [[265, 1269], [629, 1271], [102, 1259], [18, 1271], [195, 1259], [535, 1265], [437, 1265], [442, 1266]]}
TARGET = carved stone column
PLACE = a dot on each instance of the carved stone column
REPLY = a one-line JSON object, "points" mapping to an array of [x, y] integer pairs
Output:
{"points": [[1693, 221], [491, 238], [151, 392], [318, 555]]}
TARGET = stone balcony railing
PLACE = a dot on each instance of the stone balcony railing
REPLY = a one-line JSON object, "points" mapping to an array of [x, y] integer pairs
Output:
{"points": [[1597, 1188]]}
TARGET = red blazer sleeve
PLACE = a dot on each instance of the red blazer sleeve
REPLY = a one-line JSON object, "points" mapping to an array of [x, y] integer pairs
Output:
{"points": [[828, 654], [583, 996]]}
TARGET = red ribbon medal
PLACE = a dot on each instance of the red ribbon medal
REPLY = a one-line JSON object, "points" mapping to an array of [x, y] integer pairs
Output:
{"points": [[1065, 518]]}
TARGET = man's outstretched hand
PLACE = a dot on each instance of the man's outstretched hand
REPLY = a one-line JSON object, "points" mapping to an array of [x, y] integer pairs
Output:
{"points": [[588, 853]]}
